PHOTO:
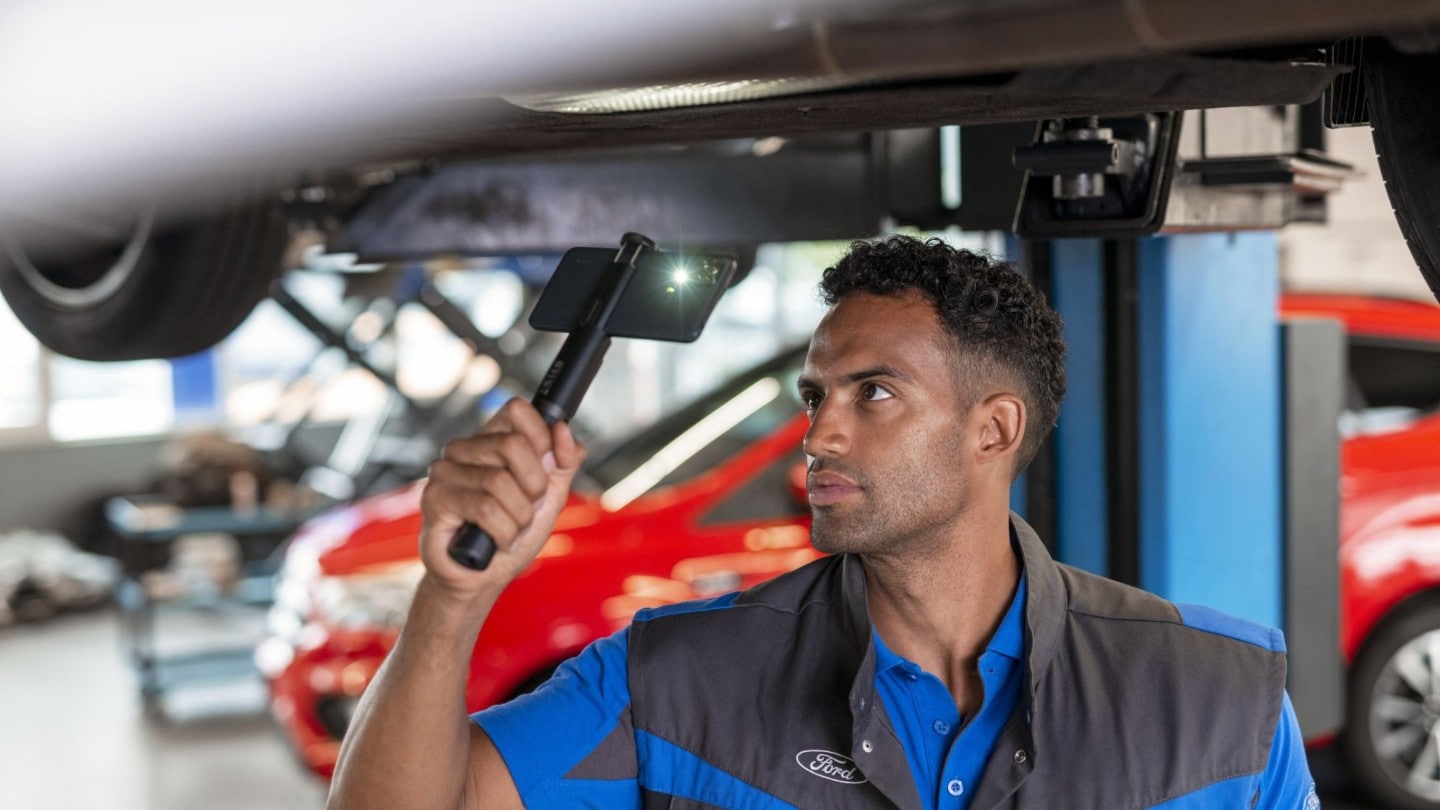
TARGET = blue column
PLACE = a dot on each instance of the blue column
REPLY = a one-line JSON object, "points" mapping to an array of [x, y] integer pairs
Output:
{"points": [[1210, 422], [194, 386], [1080, 496]]}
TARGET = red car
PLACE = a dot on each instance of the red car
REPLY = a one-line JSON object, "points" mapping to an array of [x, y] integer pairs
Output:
{"points": [[1390, 542], [713, 498]]}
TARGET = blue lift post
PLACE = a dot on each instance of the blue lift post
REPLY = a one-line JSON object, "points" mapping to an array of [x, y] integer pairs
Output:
{"points": [[1206, 467], [1081, 494], [1210, 431], [1169, 457]]}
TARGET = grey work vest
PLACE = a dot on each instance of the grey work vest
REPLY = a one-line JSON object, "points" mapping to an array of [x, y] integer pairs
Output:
{"points": [[1123, 706]]}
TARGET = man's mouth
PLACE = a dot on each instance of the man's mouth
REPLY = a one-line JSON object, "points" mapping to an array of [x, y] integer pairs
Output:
{"points": [[828, 488]]}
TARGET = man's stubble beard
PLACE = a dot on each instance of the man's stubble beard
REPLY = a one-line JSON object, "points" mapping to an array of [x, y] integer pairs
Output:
{"points": [[833, 534], [880, 524]]}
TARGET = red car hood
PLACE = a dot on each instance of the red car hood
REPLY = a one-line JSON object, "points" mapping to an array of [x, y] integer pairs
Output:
{"points": [[383, 530]]}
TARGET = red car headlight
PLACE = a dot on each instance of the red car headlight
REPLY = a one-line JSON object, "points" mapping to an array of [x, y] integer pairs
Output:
{"points": [[375, 599]]}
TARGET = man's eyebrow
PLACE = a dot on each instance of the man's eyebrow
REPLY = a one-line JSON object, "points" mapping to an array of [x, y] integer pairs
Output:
{"points": [[876, 371], [808, 384]]}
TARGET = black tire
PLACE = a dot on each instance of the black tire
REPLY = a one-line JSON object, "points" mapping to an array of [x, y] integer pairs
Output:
{"points": [[1401, 92], [1383, 744], [168, 292]]}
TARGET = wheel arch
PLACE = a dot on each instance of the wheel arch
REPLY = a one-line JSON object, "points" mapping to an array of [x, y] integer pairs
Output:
{"points": [[1420, 601]]}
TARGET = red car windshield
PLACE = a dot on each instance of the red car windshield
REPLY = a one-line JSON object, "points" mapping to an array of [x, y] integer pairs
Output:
{"points": [[704, 433]]}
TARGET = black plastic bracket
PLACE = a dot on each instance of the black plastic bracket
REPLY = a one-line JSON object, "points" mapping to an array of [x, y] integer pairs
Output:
{"points": [[1107, 177]]}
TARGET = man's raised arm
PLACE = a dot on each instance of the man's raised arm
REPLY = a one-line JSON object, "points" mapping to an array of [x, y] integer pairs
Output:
{"points": [[411, 744]]}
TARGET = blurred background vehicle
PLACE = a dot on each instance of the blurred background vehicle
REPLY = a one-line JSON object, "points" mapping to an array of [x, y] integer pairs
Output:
{"points": [[1390, 571]]}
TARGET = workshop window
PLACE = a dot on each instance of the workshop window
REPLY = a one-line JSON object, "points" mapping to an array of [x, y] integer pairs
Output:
{"points": [[44, 395], [431, 362], [1392, 383], [103, 400], [275, 372], [19, 374]]}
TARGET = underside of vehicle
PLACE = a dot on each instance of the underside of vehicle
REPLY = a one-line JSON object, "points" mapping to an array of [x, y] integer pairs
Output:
{"points": [[833, 102]]}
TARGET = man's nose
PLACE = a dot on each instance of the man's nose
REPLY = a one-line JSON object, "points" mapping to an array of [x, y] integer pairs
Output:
{"points": [[829, 433]]}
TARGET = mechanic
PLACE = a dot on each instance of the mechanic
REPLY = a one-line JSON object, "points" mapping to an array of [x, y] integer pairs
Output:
{"points": [[937, 658]]}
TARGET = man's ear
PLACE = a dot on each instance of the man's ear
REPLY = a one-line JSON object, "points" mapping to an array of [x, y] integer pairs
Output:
{"points": [[1002, 421]]}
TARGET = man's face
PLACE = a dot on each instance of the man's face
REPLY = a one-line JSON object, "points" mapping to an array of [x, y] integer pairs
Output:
{"points": [[886, 426]]}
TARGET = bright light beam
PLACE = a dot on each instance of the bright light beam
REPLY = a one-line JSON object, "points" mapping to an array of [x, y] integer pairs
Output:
{"points": [[687, 444]]}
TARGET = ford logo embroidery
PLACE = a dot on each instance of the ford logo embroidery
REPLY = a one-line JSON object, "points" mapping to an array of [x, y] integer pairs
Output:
{"points": [[830, 765]]}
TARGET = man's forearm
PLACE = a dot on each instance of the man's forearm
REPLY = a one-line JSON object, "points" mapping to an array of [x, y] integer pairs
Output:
{"points": [[409, 742]]}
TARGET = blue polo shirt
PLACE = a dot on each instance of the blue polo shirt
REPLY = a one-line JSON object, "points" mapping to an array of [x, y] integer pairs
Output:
{"points": [[948, 752], [571, 742]]}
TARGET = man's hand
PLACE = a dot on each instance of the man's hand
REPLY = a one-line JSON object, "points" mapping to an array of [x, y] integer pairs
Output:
{"points": [[510, 479], [410, 743]]}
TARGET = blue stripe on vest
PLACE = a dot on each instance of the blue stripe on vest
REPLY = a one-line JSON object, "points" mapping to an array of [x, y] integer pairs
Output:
{"points": [[1211, 620], [593, 689], [680, 608], [667, 768], [568, 794], [1235, 792]]}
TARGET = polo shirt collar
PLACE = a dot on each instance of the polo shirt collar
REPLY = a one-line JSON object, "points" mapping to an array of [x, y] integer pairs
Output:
{"points": [[1009, 638], [1044, 610], [874, 745]]}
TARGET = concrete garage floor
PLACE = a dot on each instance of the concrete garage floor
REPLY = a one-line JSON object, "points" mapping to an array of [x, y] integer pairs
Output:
{"points": [[73, 733]]}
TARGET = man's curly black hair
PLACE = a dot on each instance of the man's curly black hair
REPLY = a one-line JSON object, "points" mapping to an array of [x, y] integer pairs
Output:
{"points": [[1000, 322]]}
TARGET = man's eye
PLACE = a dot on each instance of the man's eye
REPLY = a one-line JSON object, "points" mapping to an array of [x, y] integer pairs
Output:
{"points": [[873, 392], [810, 399]]}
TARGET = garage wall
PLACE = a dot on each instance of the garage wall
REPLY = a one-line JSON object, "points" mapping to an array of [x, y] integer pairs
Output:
{"points": [[1361, 249], [44, 486]]}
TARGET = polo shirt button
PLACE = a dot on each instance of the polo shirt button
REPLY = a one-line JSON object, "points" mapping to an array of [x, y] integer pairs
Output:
{"points": [[956, 787], [1020, 757], [866, 746], [941, 727]]}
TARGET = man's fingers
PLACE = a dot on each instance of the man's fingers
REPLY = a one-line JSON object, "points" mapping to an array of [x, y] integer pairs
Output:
{"points": [[506, 479], [497, 482], [568, 453], [487, 513], [519, 416], [480, 508], [511, 451]]}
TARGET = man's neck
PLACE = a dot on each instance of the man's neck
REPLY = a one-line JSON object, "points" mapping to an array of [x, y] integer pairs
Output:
{"points": [[939, 607]]}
